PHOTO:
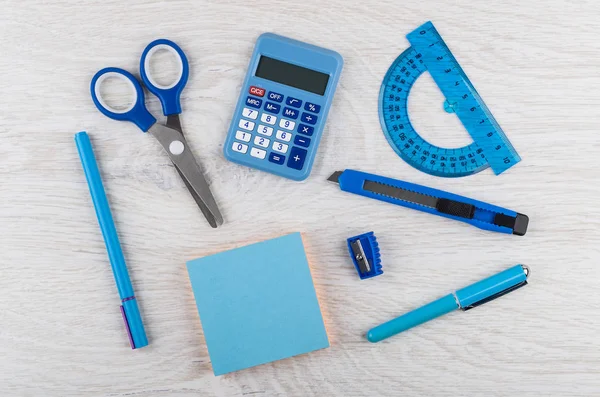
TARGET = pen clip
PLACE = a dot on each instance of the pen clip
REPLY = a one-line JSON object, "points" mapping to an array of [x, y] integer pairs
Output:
{"points": [[495, 296], [127, 327]]}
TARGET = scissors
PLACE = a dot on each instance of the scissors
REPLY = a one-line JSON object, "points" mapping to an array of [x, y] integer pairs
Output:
{"points": [[169, 135]]}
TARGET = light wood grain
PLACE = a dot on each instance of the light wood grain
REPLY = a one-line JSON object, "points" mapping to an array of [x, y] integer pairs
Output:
{"points": [[536, 64]]}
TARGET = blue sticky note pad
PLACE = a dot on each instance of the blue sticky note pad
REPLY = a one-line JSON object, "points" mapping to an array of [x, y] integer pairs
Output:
{"points": [[257, 304]]}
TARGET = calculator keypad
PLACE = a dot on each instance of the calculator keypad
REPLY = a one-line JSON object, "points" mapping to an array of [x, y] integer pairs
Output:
{"points": [[292, 119]]}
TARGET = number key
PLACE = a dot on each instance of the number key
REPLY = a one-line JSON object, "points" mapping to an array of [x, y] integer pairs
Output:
{"points": [[264, 130], [242, 136], [260, 141], [249, 113], [287, 124], [284, 136], [239, 147], [280, 147], [267, 118], [247, 125]]}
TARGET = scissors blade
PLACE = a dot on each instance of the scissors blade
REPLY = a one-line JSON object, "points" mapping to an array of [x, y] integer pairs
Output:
{"points": [[173, 121], [207, 214], [179, 152]]}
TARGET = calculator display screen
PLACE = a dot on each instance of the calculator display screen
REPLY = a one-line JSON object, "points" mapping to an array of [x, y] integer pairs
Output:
{"points": [[292, 75]]}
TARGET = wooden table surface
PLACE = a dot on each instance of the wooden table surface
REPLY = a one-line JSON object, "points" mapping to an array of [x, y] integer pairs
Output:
{"points": [[537, 66]]}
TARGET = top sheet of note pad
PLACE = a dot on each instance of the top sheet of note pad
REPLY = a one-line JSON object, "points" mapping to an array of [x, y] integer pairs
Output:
{"points": [[257, 304]]}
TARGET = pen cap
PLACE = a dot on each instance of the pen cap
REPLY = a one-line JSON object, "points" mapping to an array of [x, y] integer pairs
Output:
{"points": [[493, 286]]}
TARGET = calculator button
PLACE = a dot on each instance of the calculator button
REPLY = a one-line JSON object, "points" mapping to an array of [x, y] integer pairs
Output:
{"points": [[283, 136], [311, 107], [254, 102], [247, 125], [276, 158], [306, 129], [280, 147], [301, 141], [297, 157], [272, 107], [260, 141], [263, 129], [243, 136], [309, 118], [257, 91], [258, 153], [293, 102], [274, 96], [290, 113], [250, 113], [239, 147], [287, 124], [267, 118]]}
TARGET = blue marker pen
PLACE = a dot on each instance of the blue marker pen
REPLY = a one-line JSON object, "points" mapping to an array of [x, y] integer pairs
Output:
{"points": [[467, 298], [129, 307]]}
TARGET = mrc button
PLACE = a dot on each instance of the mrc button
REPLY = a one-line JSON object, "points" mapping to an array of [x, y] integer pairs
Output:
{"points": [[256, 91], [254, 102]]}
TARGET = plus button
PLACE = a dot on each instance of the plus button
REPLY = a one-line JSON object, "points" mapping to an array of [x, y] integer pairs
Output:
{"points": [[297, 158]]}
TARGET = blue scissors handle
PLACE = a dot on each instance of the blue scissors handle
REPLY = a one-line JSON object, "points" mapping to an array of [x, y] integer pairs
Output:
{"points": [[136, 112], [168, 94]]}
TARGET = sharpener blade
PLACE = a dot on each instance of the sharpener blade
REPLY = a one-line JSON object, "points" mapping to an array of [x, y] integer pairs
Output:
{"points": [[359, 255]]}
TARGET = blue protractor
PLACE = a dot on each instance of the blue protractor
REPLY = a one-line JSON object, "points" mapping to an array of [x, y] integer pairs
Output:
{"points": [[490, 147]]}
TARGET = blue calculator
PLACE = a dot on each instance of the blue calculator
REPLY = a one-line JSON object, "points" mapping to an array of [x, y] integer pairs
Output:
{"points": [[281, 112]]}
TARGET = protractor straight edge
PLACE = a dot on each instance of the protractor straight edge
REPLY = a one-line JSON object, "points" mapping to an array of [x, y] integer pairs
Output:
{"points": [[490, 147]]}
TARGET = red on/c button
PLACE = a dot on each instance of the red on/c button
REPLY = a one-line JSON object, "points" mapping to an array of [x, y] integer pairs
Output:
{"points": [[257, 91]]}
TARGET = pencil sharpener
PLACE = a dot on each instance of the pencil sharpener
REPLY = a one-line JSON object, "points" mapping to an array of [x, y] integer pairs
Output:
{"points": [[364, 252]]}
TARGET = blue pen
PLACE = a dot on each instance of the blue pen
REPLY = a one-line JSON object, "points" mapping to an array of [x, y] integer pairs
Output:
{"points": [[129, 307], [477, 213], [467, 298]]}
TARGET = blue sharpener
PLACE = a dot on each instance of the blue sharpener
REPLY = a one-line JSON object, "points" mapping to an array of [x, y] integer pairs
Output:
{"points": [[364, 252]]}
